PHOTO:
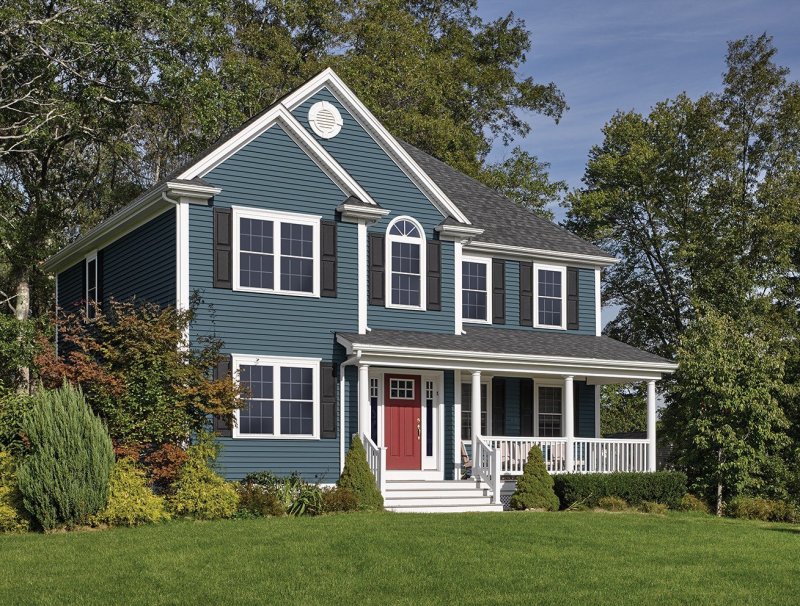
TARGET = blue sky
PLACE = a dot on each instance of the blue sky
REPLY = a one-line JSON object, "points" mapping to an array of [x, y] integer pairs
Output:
{"points": [[608, 55]]}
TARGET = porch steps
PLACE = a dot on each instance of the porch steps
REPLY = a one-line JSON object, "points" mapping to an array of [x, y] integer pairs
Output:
{"points": [[414, 496]]}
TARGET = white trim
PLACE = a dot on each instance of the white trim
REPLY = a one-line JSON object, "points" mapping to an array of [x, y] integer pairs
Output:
{"points": [[487, 261], [526, 253], [313, 114], [458, 466], [328, 79], [282, 116], [547, 383], [278, 362], [423, 263], [486, 379], [457, 256], [363, 276], [537, 267], [460, 233], [182, 256], [355, 213], [598, 304], [277, 218], [91, 256]]}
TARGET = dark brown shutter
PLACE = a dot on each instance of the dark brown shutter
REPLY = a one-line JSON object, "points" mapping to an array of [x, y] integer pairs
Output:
{"points": [[223, 249], [434, 286], [222, 370], [498, 291], [100, 278], [525, 294], [328, 258], [498, 406], [526, 407], [572, 299], [377, 267], [327, 383]]}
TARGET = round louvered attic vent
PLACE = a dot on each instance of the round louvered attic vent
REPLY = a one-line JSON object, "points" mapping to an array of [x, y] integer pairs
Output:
{"points": [[325, 119]]}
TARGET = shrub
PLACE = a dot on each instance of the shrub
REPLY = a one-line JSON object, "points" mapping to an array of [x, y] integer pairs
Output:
{"points": [[257, 501], [535, 486], [613, 504], [64, 475], [358, 478], [307, 501], [689, 502], [667, 487], [768, 510], [294, 496], [338, 499], [199, 492], [653, 507], [163, 465], [130, 500], [12, 513]]}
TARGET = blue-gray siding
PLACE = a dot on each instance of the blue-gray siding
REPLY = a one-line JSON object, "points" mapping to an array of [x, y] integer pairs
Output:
{"points": [[141, 263], [273, 173], [356, 150], [586, 303], [70, 287]]}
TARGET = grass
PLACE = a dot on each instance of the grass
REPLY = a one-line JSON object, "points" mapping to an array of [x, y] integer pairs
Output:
{"points": [[508, 558]]}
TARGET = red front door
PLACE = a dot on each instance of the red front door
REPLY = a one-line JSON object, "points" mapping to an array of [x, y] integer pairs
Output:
{"points": [[402, 420]]}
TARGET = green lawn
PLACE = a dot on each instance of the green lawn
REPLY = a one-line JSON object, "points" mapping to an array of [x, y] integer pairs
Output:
{"points": [[508, 558]]}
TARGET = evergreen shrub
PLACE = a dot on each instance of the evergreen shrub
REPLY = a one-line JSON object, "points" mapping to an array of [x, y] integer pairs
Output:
{"points": [[12, 513], [130, 500], [667, 487], [359, 479], [535, 486], [64, 474]]}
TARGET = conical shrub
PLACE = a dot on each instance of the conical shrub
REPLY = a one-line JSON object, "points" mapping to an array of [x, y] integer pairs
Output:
{"points": [[64, 474], [535, 486], [359, 479]]}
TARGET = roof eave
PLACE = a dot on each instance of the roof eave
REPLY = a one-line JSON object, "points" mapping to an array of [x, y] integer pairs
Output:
{"points": [[523, 252]]}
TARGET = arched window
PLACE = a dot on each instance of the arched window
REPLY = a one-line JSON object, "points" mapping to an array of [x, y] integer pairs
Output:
{"points": [[405, 243]]}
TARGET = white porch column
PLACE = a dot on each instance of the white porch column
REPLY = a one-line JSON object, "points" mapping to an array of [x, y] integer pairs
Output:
{"points": [[364, 411], [597, 428], [569, 422], [651, 425], [476, 410]]}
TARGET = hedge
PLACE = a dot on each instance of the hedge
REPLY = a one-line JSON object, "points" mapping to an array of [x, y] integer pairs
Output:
{"points": [[667, 487]]}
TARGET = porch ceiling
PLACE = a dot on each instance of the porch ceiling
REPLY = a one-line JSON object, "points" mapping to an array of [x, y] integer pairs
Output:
{"points": [[505, 350]]}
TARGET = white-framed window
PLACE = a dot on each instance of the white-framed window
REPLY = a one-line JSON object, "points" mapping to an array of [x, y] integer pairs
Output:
{"points": [[282, 399], [405, 253], [466, 410], [550, 296], [476, 299], [549, 404], [401, 389], [276, 252], [90, 296]]}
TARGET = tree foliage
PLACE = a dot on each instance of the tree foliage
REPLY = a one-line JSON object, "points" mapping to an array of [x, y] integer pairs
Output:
{"points": [[724, 416], [139, 374], [64, 474], [623, 408]]}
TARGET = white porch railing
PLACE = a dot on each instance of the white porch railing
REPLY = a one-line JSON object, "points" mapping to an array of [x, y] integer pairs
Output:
{"points": [[590, 455], [486, 466], [376, 459]]}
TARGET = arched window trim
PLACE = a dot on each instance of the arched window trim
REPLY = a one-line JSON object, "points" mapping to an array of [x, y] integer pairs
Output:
{"points": [[421, 240]]}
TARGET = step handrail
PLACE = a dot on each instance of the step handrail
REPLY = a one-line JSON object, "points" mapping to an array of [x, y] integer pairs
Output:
{"points": [[376, 459], [486, 466]]}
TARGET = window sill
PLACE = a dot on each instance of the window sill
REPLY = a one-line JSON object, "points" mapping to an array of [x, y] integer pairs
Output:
{"points": [[408, 307], [471, 321], [549, 327], [262, 436], [284, 293]]}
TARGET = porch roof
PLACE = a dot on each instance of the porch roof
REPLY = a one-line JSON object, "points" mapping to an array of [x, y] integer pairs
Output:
{"points": [[507, 349]]}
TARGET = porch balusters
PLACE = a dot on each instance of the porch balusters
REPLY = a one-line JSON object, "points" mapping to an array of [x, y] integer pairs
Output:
{"points": [[569, 423]]}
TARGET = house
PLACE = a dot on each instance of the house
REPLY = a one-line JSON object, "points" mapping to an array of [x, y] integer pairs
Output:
{"points": [[362, 286]]}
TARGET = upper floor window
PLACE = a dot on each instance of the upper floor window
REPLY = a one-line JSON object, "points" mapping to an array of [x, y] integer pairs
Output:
{"points": [[475, 299], [276, 252], [405, 241], [549, 283], [91, 285], [282, 397]]}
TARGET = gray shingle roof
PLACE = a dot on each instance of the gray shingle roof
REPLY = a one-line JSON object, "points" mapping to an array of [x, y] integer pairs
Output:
{"points": [[510, 341], [503, 221]]}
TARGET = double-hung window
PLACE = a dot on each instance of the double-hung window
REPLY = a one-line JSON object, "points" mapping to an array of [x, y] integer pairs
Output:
{"points": [[549, 295], [281, 397], [476, 302], [550, 413], [276, 252], [405, 242], [466, 410]]}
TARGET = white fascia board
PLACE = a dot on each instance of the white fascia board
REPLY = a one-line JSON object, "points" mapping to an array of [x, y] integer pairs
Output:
{"points": [[283, 117], [506, 250], [192, 192], [353, 213], [329, 79], [461, 233]]}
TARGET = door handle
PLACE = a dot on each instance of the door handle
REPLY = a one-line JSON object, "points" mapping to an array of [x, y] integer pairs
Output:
{"points": [[419, 430]]}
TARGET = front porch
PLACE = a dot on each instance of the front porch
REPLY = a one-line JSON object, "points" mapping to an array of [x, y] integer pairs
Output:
{"points": [[416, 417]]}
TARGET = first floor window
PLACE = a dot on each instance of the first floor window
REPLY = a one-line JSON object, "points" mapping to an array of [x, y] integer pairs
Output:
{"points": [[466, 411], [549, 412], [475, 289], [281, 398], [276, 252], [374, 392]]}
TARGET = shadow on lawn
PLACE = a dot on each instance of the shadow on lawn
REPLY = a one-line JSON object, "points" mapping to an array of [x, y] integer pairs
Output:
{"points": [[789, 530]]}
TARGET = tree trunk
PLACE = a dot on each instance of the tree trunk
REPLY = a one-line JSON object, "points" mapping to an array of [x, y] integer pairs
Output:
{"points": [[719, 485], [22, 311]]}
